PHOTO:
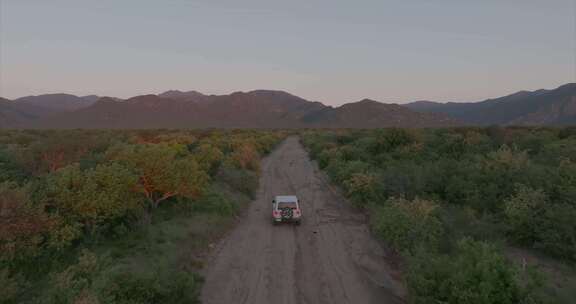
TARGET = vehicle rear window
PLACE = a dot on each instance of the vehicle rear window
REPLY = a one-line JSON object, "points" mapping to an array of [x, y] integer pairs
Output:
{"points": [[286, 205]]}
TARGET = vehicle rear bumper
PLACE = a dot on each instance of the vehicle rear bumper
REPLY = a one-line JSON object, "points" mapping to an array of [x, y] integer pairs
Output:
{"points": [[287, 220]]}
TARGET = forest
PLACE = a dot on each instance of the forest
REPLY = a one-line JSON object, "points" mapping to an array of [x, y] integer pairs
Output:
{"points": [[474, 215], [118, 216], [477, 215]]}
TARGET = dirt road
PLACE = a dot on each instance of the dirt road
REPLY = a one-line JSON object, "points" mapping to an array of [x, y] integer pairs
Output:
{"points": [[331, 258]]}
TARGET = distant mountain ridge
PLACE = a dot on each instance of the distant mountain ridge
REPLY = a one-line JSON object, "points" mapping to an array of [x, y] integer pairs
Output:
{"points": [[279, 109], [373, 114], [57, 102], [254, 109], [11, 117], [541, 107]]}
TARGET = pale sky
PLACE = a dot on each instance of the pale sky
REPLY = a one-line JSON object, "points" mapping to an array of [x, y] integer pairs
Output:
{"points": [[333, 51]]}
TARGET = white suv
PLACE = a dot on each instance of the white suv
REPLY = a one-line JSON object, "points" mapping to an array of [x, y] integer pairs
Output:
{"points": [[286, 208]]}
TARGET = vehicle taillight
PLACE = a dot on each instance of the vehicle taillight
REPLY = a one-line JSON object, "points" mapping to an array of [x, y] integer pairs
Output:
{"points": [[297, 212], [275, 213]]}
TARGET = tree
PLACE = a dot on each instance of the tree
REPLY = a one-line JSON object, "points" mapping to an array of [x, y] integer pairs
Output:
{"points": [[245, 156], [523, 210], [209, 157], [163, 172], [94, 196], [53, 152], [389, 139], [9, 170], [24, 227], [508, 158], [565, 187]]}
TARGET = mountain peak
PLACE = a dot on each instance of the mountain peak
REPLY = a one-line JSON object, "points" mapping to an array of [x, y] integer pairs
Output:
{"points": [[180, 95], [275, 94], [371, 103], [568, 86], [56, 102], [50, 95], [367, 101], [269, 92], [148, 98]]}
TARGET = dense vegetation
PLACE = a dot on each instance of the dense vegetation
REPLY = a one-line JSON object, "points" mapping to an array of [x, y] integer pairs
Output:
{"points": [[126, 216], [452, 202], [118, 216]]}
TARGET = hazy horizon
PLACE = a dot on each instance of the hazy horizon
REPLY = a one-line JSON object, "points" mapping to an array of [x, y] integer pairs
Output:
{"points": [[328, 51]]}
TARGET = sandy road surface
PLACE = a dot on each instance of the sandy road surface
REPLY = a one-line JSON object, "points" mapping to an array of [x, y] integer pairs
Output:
{"points": [[331, 258]]}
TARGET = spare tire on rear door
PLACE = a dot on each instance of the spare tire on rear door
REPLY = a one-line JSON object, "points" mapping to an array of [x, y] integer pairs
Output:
{"points": [[287, 213]]}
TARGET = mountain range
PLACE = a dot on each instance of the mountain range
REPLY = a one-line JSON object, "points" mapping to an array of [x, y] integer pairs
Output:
{"points": [[25, 111], [541, 107], [278, 109]]}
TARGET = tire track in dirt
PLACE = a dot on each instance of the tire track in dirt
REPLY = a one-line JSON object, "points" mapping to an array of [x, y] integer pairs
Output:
{"points": [[331, 258]]}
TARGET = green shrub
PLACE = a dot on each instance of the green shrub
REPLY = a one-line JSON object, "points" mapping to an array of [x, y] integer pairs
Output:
{"points": [[556, 231], [127, 287], [240, 180], [24, 226], [401, 179], [408, 225], [537, 223], [11, 286], [361, 188], [564, 187], [392, 138], [463, 221], [9, 170], [476, 273], [341, 170], [75, 281], [523, 210], [214, 201]]}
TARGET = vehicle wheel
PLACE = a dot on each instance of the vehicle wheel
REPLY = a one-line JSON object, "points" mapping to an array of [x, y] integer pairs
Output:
{"points": [[298, 222], [274, 222]]}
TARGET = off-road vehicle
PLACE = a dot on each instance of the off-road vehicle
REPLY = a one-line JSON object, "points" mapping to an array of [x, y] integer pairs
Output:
{"points": [[286, 208]]}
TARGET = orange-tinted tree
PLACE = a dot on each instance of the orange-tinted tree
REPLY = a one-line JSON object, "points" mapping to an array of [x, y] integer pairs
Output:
{"points": [[163, 171]]}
